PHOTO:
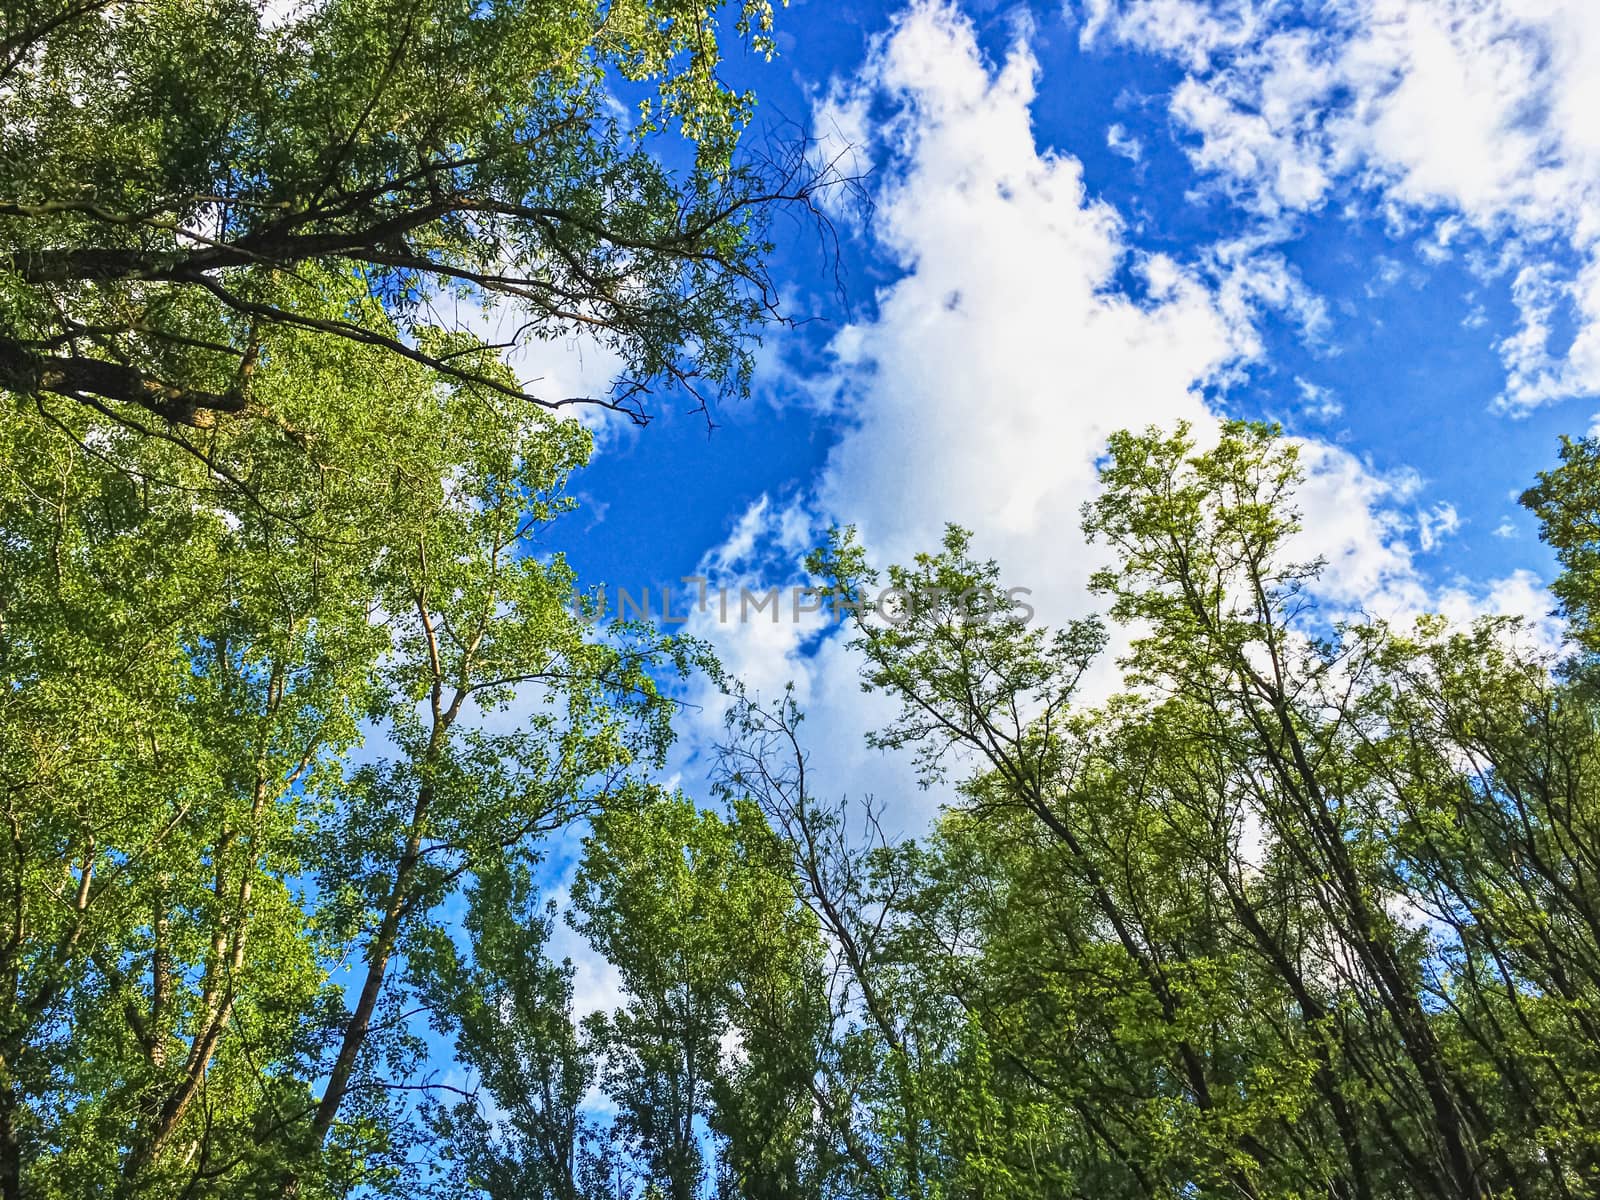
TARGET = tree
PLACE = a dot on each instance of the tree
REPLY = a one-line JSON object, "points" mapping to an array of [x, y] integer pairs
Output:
{"points": [[1305, 909], [1567, 500], [719, 966], [186, 695], [179, 683], [510, 1009], [189, 189]]}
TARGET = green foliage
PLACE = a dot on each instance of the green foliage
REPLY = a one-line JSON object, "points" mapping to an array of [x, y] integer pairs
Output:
{"points": [[1305, 910], [287, 662], [181, 183], [510, 1009], [720, 967], [193, 849], [1566, 501]]}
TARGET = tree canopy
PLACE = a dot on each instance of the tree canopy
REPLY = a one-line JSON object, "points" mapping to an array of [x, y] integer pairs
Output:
{"points": [[313, 772], [190, 191], [1307, 909]]}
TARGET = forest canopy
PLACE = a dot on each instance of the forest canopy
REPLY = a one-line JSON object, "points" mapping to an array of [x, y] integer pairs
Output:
{"points": [[296, 707], [252, 180]]}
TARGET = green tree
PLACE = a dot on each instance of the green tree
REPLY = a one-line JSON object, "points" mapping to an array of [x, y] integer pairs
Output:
{"points": [[1566, 500], [719, 965], [510, 1009], [187, 187], [179, 683], [1305, 910], [187, 678]]}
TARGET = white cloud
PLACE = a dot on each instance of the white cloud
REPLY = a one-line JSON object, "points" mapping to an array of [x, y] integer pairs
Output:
{"points": [[1521, 594], [1250, 276], [1437, 523], [1281, 172], [1120, 141], [984, 387], [997, 364], [1352, 519], [1188, 31], [1317, 402], [1442, 111]]}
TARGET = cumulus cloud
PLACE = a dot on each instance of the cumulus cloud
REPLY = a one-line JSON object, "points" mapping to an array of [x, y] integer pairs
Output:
{"points": [[1317, 403], [982, 389], [1449, 112]]}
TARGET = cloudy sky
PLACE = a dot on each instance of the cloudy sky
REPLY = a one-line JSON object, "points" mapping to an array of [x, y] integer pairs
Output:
{"points": [[1374, 221]]}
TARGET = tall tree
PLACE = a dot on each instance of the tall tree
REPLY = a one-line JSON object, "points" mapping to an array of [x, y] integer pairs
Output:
{"points": [[183, 182], [718, 962], [191, 852], [510, 1009], [1306, 909]]}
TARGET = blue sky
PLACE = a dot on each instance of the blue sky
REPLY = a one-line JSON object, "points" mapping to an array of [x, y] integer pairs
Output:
{"points": [[1376, 221], [1407, 348]]}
